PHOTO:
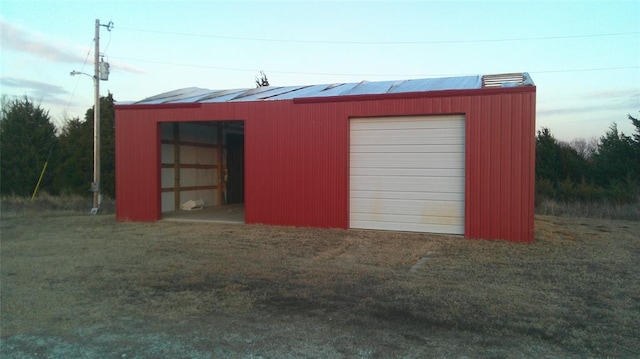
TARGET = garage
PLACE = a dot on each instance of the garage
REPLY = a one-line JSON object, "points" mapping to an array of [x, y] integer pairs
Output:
{"points": [[451, 155], [407, 173]]}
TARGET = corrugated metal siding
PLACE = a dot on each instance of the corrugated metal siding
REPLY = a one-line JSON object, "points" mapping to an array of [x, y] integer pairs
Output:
{"points": [[137, 167], [295, 167], [296, 156], [500, 175]]}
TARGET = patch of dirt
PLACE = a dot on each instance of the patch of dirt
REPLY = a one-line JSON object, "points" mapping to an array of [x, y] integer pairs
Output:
{"points": [[88, 286]]}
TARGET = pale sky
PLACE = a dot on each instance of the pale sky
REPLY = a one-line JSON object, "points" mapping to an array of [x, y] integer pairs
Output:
{"points": [[584, 56]]}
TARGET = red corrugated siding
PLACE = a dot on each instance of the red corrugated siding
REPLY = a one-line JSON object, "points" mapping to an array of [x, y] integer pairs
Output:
{"points": [[137, 168], [295, 166], [297, 160]]}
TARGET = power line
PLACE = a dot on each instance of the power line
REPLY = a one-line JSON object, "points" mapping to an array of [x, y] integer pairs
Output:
{"points": [[339, 42], [75, 86], [359, 74], [586, 70], [271, 71]]}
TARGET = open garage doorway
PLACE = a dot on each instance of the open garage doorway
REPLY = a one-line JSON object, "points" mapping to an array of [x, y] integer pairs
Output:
{"points": [[202, 171], [234, 176]]}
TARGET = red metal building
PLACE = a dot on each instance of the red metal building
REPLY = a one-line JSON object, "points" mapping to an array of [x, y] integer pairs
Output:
{"points": [[452, 155]]}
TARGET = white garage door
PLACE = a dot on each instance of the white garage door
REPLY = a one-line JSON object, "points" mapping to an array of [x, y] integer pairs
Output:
{"points": [[407, 173]]}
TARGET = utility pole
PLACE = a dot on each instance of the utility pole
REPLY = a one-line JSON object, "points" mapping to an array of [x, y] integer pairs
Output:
{"points": [[100, 72], [95, 186]]}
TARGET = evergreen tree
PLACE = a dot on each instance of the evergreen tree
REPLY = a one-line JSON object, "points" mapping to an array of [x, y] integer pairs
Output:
{"points": [[27, 140], [617, 160], [548, 164], [75, 173], [560, 168], [77, 146], [636, 124], [575, 167]]}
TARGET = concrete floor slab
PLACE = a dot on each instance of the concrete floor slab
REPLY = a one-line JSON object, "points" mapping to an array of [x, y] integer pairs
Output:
{"points": [[231, 213]]}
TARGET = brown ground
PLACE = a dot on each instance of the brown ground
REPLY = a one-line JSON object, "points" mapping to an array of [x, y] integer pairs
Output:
{"points": [[80, 286]]}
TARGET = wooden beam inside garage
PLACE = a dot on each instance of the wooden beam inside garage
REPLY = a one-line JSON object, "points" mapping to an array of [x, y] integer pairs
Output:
{"points": [[220, 169], [176, 165]]}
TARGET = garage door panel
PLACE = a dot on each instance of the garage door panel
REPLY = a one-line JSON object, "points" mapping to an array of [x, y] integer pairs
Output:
{"points": [[404, 148], [444, 221], [408, 184], [411, 172], [405, 160], [409, 227], [379, 206], [407, 137], [407, 122], [423, 196], [407, 173]]}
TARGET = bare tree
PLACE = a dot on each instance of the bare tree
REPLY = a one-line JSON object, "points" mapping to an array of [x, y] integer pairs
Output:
{"points": [[585, 148], [262, 81]]}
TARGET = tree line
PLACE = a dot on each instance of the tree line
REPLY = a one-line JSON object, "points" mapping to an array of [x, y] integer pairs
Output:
{"points": [[604, 169], [601, 170], [29, 139]]}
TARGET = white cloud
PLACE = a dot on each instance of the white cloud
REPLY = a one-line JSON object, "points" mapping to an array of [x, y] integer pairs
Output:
{"points": [[613, 100], [19, 40], [37, 86]]}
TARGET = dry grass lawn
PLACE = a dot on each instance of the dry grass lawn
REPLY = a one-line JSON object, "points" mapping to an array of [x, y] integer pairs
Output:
{"points": [[74, 285]]}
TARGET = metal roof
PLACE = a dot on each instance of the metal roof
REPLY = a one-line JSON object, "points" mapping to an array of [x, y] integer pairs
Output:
{"points": [[195, 94]]}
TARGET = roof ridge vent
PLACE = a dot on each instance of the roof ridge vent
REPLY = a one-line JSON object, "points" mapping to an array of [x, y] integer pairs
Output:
{"points": [[513, 79]]}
